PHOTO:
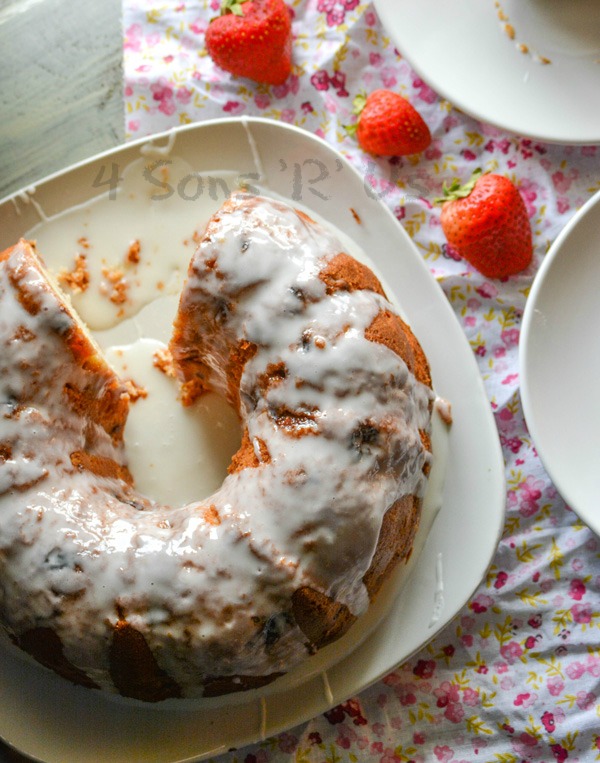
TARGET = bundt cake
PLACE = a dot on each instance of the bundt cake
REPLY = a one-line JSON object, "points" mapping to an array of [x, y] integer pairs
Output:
{"points": [[112, 590]]}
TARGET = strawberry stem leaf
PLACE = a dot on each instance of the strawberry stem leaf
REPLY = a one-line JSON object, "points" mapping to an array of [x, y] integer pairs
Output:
{"points": [[457, 191], [232, 6], [359, 103]]}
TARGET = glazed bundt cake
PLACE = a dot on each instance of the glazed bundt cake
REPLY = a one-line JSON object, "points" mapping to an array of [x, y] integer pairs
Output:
{"points": [[114, 591]]}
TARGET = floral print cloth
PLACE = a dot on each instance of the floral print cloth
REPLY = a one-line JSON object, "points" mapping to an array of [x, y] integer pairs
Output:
{"points": [[516, 675]]}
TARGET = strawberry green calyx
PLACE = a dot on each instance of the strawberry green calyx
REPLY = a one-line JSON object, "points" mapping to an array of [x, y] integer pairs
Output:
{"points": [[232, 6], [457, 191], [358, 104]]}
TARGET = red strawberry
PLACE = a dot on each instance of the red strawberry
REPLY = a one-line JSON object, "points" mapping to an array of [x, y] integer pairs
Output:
{"points": [[486, 222], [252, 38], [388, 125]]}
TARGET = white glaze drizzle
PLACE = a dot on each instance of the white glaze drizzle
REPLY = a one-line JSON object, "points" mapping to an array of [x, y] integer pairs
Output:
{"points": [[151, 149], [254, 150], [171, 565], [343, 487], [13, 200]]}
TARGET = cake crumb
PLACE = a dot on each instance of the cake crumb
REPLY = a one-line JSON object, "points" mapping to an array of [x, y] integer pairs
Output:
{"points": [[135, 391], [23, 334], [261, 451], [119, 284], [163, 360], [510, 31], [133, 253], [78, 279], [444, 410], [211, 516]]}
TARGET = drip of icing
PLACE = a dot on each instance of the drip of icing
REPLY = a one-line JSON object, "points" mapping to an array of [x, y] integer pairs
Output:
{"points": [[13, 200], [26, 197], [438, 595], [151, 149], [255, 152], [327, 689]]}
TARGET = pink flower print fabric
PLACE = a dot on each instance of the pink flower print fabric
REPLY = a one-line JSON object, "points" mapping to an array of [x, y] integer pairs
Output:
{"points": [[515, 678]]}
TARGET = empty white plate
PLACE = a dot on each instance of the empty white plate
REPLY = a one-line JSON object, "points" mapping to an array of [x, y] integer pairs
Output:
{"points": [[560, 363], [464, 50]]}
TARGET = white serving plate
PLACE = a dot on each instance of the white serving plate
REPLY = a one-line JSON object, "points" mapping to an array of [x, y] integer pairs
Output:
{"points": [[51, 720], [461, 49], [560, 362]]}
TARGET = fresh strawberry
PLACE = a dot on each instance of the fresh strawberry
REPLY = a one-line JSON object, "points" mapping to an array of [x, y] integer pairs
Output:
{"points": [[486, 222], [252, 38], [388, 125]]}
